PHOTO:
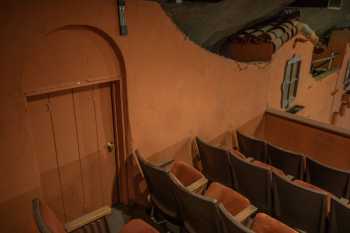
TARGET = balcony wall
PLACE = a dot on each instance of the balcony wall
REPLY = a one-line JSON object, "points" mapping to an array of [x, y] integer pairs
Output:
{"points": [[320, 141]]}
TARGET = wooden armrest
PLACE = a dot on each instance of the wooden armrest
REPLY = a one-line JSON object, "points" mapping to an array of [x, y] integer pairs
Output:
{"points": [[166, 164], [198, 186], [88, 218], [250, 159], [342, 200], [245, 213], [290, 177]]}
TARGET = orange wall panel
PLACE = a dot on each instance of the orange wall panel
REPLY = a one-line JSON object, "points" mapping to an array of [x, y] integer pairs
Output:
{"points": [[176, 90], [326, 147]]}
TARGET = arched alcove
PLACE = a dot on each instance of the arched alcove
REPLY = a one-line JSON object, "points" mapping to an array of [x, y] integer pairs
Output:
{"points": [[74, 82], [71, 56]]}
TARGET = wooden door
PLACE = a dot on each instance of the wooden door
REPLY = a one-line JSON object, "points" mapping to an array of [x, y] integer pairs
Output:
{"points": [[73, 136]]}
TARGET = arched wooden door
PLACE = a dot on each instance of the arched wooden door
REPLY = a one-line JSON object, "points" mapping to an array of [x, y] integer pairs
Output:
{"points": [[71, 100]]}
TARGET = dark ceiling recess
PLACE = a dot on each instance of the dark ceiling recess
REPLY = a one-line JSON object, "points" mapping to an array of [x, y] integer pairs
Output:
{"points": [[331, 4], [211, 24], [181, 1], [200, 0]]}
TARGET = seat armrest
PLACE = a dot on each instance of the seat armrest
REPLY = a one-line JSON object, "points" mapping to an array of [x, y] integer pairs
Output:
{"points": [[198, 186], [88, 218], [166, 165], [342, 200], [245, 213]]}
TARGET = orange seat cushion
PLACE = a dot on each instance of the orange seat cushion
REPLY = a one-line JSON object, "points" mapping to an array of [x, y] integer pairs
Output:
{"points": [[263, 223], [231, 200], [185, 173], [138, 226], [269, 167]]}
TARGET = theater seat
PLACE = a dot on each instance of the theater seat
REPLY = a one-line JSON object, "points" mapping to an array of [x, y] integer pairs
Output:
{"points": [[298, 206], [335, 181], [308, 185], [237, 153], [198, 212], [269, 167], [215, 162], [313, 187], [138, 226], [252, 147], [263, 223], [253, 181], [161, 187], [185, 173], [230, 199], [289, 162], [230, 223], [47, 222], [339, 217]]}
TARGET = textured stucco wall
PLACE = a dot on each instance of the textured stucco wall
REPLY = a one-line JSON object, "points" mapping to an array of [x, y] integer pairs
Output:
{"points": [[175, 88], [315, 95]]}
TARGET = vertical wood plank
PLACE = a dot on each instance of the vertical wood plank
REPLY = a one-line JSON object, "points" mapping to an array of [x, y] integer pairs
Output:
{"points": [[105, 132], [89, 149], [44, 146], [63, 118]]}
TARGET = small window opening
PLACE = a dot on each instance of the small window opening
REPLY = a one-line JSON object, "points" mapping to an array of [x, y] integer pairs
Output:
{"points": [[290, 82], [347, 78]]}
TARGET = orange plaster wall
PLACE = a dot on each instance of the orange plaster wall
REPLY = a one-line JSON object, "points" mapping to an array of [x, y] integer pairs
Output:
{"points": [[315, 95], [176, 89]]}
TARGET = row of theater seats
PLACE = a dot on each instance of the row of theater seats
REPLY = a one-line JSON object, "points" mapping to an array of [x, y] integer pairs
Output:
{"points": [[181, 194], [47, 222], [333, 180], [301, 205]]}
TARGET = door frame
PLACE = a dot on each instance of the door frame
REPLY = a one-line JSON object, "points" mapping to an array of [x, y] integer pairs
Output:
{"points": [[119, 129]]}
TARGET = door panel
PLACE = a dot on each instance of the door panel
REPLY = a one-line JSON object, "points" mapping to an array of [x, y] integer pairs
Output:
{"points": [[67, 148], [89, 149], [71, 130], [44, 143], [104, 119]]}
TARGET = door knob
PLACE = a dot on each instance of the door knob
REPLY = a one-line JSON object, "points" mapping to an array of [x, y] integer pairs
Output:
{"points": [[110, 146]]}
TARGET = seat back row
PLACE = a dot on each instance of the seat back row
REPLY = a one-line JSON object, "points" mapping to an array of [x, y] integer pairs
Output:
{"points": [[205, 215], [218, 209], [288, 161], [299, 204], [333, 180], [238, 173]]}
